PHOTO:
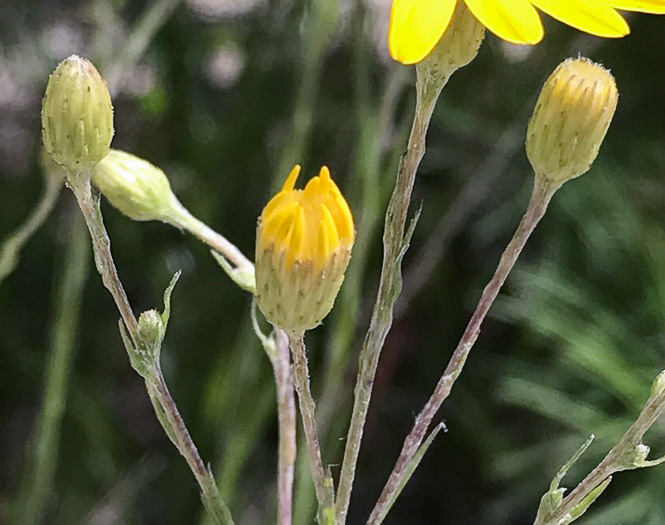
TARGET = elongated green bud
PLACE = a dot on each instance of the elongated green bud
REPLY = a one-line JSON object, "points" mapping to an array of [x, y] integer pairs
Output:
{"points": [[570, 121], [77, 115], [136, 187]]}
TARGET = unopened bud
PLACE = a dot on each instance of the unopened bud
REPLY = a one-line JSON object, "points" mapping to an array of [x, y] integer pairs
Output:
{"points": [[77, 115], [573, 112], [303, 246], [136, 187], [151, 327]]}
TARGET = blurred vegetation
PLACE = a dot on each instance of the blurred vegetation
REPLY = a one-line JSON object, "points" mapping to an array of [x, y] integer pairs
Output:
{"points": [[226, 97]]}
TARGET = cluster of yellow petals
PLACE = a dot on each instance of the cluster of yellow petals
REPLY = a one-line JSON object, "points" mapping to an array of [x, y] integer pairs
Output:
{"points": [[308, 225], [416, 26]]}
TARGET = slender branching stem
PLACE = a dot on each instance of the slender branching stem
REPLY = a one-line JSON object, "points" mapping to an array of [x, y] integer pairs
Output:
{"points": [[322, 481], [286, 410], [623, 456], [389, 288], [169, 416], [542, 194]]}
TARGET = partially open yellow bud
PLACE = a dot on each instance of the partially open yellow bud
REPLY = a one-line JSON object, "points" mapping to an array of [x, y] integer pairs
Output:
{"points": [[303, 247], [572, 115], [136, 187], [77, 115]]}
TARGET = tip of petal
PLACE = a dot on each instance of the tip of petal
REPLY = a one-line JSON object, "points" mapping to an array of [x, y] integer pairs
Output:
{"points": [[324, 173], [292, 178]]}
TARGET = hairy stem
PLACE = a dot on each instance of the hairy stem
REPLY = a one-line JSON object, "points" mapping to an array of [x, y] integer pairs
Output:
{"points": [[286, 410], [169, 416], [621, 457], [322, 482], [542, 194], [389, 288]]}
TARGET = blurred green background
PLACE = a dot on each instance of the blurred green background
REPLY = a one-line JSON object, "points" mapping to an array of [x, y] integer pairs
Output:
{"points": [[225, 96]]}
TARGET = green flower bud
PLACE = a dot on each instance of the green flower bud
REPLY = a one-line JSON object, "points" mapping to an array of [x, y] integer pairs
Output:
{"points": [[136, 187], [77, 115], [573, 112]]}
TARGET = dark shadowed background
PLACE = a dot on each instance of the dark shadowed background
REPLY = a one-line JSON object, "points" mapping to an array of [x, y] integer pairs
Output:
{"points": [[226, 97]]}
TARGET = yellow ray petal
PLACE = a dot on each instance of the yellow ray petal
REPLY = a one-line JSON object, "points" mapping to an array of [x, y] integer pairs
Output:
{"points": [[515, 21], [416, 26], [595, 17], [656, 7]]}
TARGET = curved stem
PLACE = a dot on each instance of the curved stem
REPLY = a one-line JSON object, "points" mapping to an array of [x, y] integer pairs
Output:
{"points": [[322, 481], [13, 244], [208, 236], [542, 194]]}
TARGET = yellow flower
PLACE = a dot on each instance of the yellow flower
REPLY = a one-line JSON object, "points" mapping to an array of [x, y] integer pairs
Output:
{"points": [[416, 26], [303, 247]]}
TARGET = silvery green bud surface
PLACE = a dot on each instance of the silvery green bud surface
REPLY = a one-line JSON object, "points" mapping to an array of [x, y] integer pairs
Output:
{"points": [[572, 115], [458, 46], [77, 115], [136, 187]]}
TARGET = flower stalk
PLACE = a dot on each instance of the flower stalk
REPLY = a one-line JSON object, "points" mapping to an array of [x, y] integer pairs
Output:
{"points": [[323, 482], [629, 453], [542, 194], [394, 244], [286, 410]]}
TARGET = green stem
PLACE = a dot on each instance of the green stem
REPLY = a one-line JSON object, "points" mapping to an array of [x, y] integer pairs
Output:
{"points": [[166, 409], [185, 220], [617, 459], [39, 486], [12, 246], [542, 194], [389, 287], [322, 482]]}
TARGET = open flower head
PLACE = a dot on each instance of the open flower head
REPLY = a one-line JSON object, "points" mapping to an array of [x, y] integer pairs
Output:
{"points": [[572, 115], [416, 26], [303, 247]]}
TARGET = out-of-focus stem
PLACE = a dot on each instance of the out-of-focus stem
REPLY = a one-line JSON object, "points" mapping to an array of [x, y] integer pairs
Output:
{"points": [[389, 285], [12, 246], [542, 194], [37, 490], [322, 482]]}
